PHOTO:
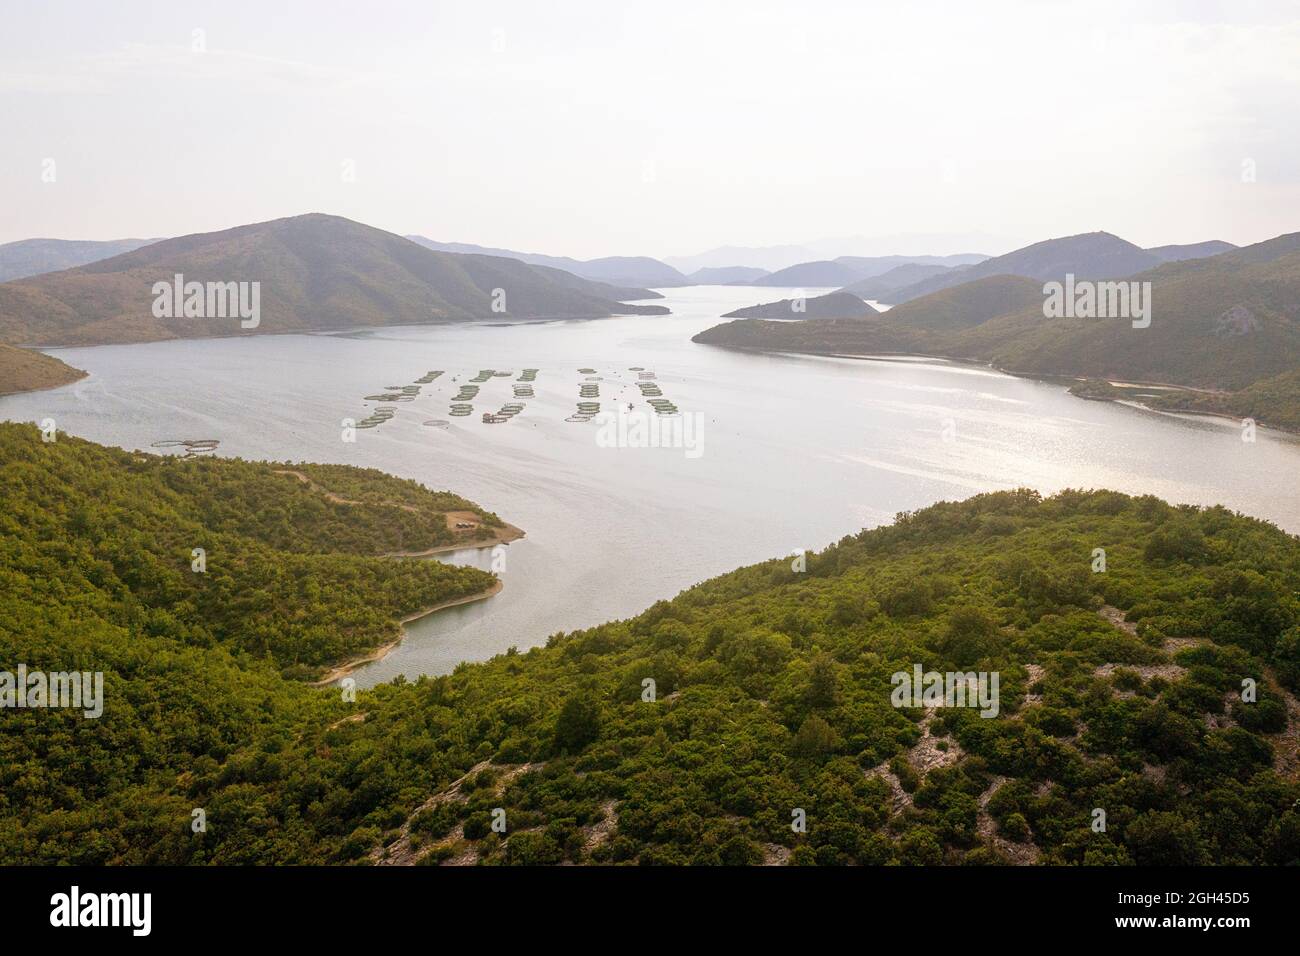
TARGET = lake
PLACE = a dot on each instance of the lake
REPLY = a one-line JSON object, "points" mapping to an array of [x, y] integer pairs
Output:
{"points": [[795, 451]]}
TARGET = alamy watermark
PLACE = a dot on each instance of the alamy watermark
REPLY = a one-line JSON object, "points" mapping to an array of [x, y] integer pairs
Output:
{"points": [[624, 429], [946, 689], [1086, 299], [133, 911], [208, 300], [78, 690]]}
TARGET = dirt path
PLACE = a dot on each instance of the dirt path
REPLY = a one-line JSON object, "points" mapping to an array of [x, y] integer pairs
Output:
{"points": [[401, 852], [1021, 854], [503, 535], [462, 523]]}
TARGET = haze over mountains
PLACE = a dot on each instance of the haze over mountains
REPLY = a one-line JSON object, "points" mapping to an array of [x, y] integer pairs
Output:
{"points": [[727, 275], [1092, 255], [316, 272], [777, 257], [615, 270], [29, 257], [850, 269]]}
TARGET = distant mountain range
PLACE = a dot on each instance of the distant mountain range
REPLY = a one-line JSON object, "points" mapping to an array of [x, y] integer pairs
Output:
{"points": [[634, 271], [1092, 255], [833, 305], [316, 272], [1196, 250], [1224, 328], [851, 269], [30, 257], [880, 286], [775, 258]]}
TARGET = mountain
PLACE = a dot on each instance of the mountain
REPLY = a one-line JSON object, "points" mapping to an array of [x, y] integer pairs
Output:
{"points": [[1196, 250], [969, 304], [1093, 255], [25, 370], [592, 287], [847, 270], [633, 270], [628, 271], [812, 275], [768, 258], [773, 258], [770, 688], [1224, 330], [879, 286], [726, 275], [870, 266], [833, 305], [469, 248], [316, 273], [30, 257]]}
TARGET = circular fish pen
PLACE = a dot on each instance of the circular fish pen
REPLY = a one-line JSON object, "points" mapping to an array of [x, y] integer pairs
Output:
{"points": [[192, 446]]}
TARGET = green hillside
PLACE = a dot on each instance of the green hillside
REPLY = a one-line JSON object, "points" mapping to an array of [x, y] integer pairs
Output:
{"points": [[772, 687]]}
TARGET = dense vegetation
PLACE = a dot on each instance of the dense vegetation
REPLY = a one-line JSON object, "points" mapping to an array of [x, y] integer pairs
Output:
{"points": [[1228, 323], [1275, 401], [771, 691]]}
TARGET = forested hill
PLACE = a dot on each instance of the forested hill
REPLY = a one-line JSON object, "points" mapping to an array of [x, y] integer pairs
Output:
{"points": [[1119, 689]]}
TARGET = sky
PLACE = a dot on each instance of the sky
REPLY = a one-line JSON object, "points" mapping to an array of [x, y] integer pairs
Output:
{"points": [[656, 128]]}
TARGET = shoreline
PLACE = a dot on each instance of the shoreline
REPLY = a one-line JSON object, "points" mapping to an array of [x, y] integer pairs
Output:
{"points": [[352, 330], [1058, 379], [503, 535], [339, 671], [45, 388]]}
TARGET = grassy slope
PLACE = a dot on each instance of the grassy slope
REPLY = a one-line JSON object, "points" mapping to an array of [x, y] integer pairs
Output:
{"points": [[772, 690], [22, 370]]}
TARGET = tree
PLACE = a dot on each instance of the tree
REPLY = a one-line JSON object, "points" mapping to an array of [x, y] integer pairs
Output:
{"points": [[823, 682], [814, 738], [1158, 838], [578, 724]]}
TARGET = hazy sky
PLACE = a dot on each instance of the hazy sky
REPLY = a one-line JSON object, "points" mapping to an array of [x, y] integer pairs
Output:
{"points": [[653, 128]]}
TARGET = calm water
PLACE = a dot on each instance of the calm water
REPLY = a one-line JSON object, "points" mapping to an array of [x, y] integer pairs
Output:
{"points": [[796, 451]]}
